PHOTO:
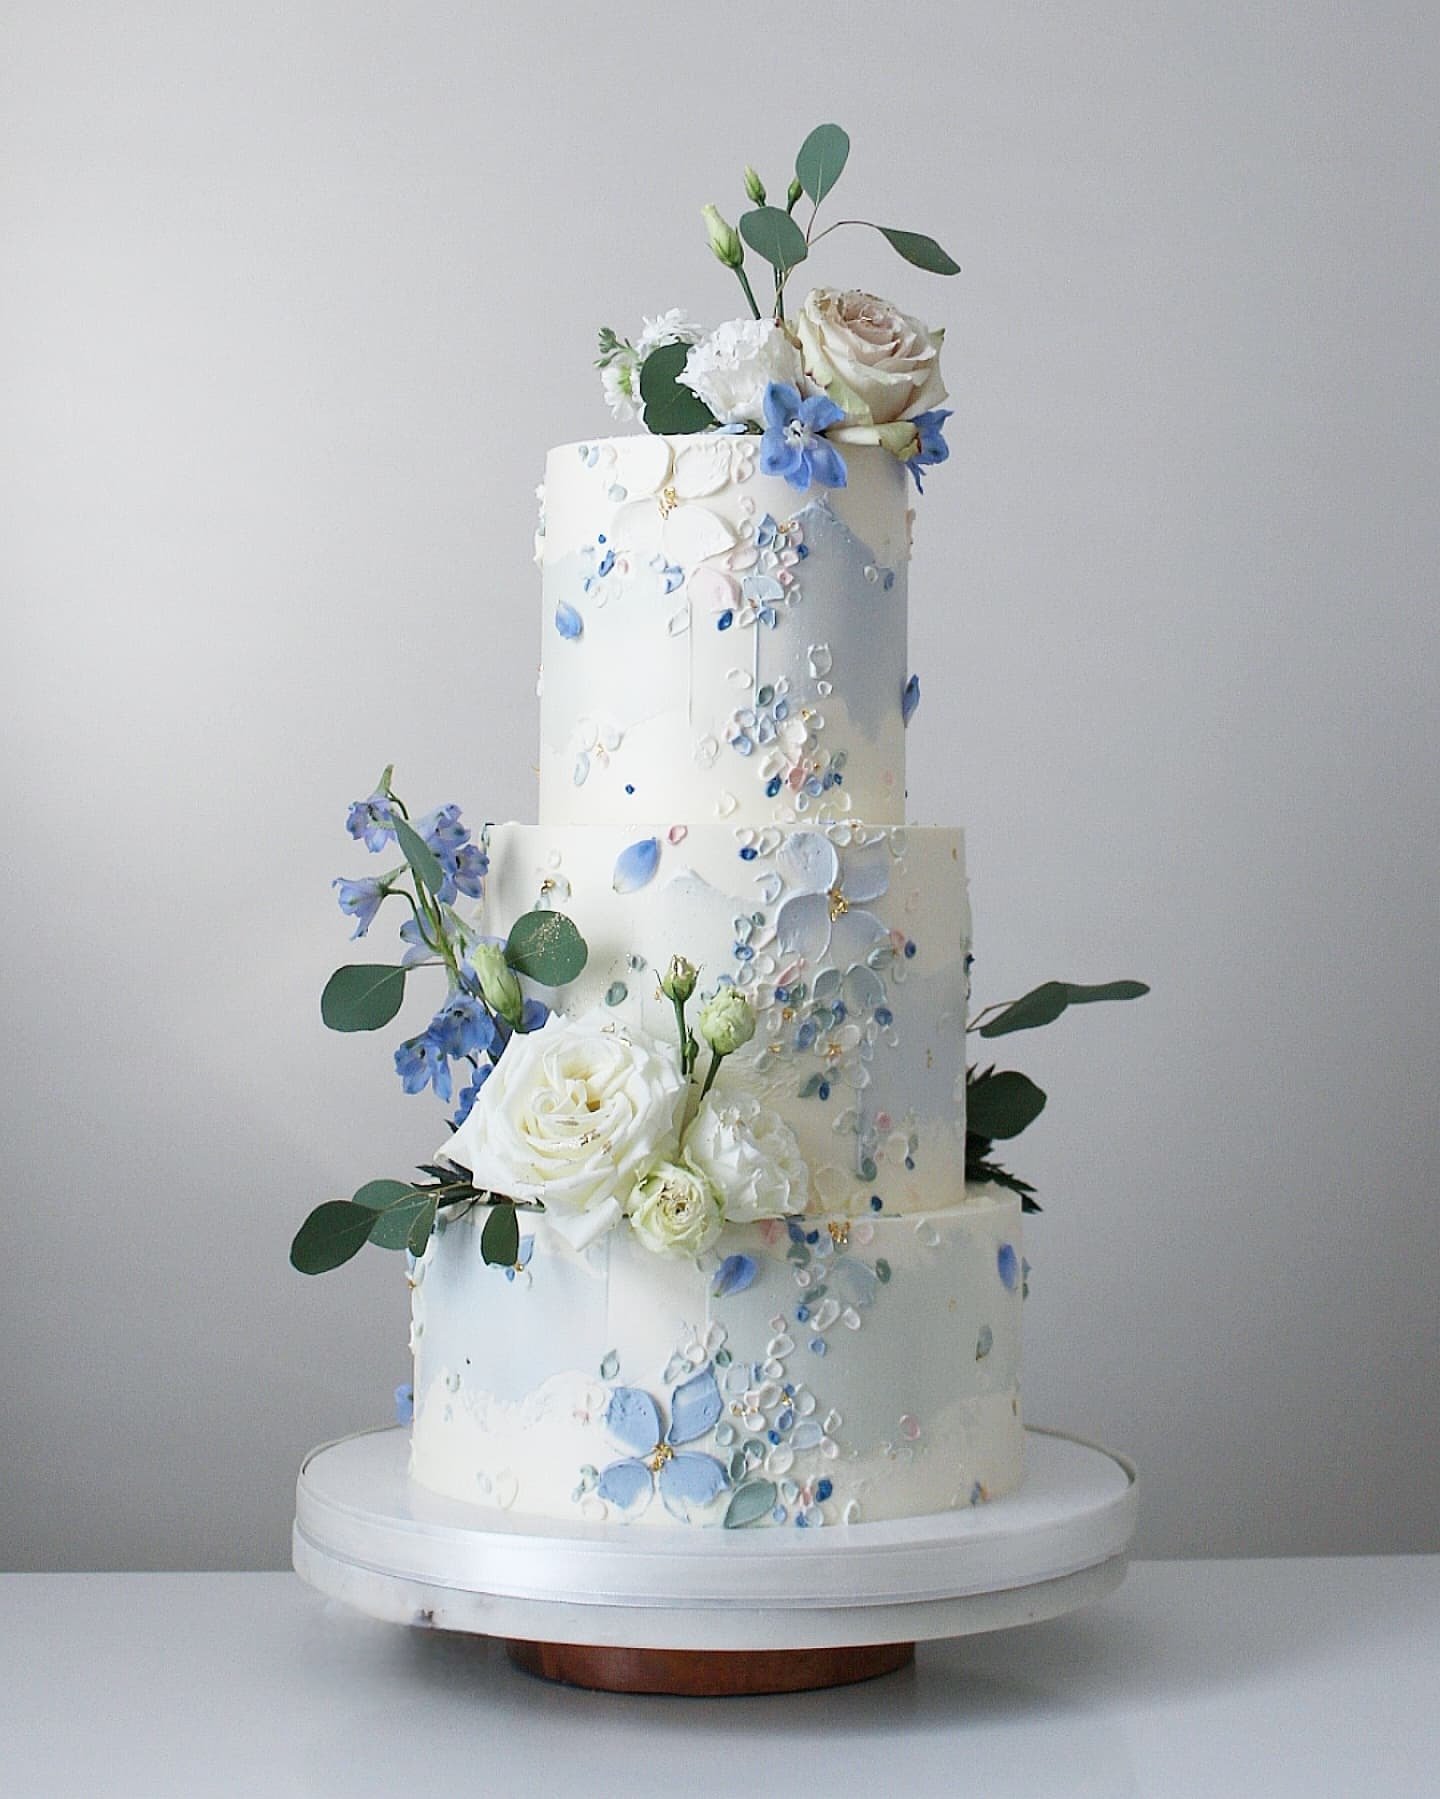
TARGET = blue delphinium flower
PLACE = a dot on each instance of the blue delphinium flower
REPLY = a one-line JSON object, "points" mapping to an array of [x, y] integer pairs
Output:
{"points": [[468, 1095], [462, 1027], [372, 822], [933, 448], [463, 864], [471, 867], [419, 947], [792, 445], [360, 900], [420, 1062]]}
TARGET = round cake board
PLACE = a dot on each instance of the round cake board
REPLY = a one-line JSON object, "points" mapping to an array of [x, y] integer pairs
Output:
{"points": [[711, 1611]]}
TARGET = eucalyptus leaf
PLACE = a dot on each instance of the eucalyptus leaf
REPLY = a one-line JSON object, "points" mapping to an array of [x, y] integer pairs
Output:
{"points": [[391, 1230], [774, 235], [332, 1233], [1001, 1104], [420, 856], [364, 996], [920, 250], [546, 947], [420, 1230], [380, 1194], [1045, 1003], [822, 158], [671, 410], [500, 1239]]}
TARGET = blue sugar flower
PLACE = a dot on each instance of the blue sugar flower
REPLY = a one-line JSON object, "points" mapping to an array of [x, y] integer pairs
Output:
{"points": [[471, 1093], [1007, 1265], [404, 1403], [471, 867], [683, 1480], [420, 1062], [420, 948], [360, 900], [932, 448], [792, 445], [462, 1027], [372, 822]]}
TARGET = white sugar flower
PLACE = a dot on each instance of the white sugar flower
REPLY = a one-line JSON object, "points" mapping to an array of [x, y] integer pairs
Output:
{"points": [[730, 368]]}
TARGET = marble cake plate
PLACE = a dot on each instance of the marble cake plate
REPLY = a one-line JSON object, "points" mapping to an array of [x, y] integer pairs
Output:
{"points": [[711, 1611]]}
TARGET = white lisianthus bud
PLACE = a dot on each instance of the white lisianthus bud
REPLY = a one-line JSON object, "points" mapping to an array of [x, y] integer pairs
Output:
{"points": [[754, 186], [678, 981], [727, 1021], [724, 239], [498, 983]]}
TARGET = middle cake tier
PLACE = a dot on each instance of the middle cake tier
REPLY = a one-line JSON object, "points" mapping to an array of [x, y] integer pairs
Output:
{"points": [[852, 941]]}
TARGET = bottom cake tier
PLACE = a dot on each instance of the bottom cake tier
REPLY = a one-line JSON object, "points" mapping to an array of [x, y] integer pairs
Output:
{"points": [[802, 1373]]}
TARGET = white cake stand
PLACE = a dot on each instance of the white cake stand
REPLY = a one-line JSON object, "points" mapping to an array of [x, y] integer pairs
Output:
{"points": [[756, 1610]]}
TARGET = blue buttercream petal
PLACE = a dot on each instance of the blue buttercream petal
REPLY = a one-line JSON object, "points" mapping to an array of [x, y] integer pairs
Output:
{"points": [[781, 404], [853, 1280], [633, 1419], [635, 866], [695, 1407], [734, 1275], [627, 1484], [568, 621], [827, 465], [910, 699], [1008, 1265], [690, 1481]]}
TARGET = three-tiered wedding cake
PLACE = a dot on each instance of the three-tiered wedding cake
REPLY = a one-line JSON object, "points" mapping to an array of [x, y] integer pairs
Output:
{"points": [[724, 703]]}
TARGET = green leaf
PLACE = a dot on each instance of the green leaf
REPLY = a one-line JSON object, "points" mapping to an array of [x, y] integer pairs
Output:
{"points": [[670, 409], [546, 947], [753, 1501], [391, 1230], [1045, 1003], [420, 856], [331, 1234], [362, 997], [420, 1230], [821, 159], [1003, 1104], [923, 251], [500, 1239], [774, 235]]}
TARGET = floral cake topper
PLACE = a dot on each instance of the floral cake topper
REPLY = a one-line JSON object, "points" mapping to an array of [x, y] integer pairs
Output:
{"points": [[846, 368]]}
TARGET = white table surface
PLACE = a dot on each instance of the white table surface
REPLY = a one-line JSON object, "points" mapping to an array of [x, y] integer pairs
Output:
{"points": [[1265, 1678]]}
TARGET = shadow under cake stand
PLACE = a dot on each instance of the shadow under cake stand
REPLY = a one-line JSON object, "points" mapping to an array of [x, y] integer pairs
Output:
{"points": [[711, 1611]]}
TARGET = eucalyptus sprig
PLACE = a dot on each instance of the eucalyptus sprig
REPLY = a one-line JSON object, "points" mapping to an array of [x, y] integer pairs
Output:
{"points": [[401, 1215], [1001, 1103]]}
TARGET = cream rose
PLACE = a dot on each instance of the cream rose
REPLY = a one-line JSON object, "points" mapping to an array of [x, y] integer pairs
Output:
{"points": [[866, 352], [572, 1114], [731, 366], [674, 1210], [749, 1155]]}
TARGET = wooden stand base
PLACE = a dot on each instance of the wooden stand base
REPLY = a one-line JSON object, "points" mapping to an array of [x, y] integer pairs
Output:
{"points": [[705, 1673]]}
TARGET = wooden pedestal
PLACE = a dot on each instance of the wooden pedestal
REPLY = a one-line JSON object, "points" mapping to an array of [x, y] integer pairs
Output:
{"points": [[704, 1673]]}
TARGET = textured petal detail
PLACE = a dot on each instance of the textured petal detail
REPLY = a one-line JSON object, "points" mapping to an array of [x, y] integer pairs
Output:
{"points": [[644, 464], [635, 866], [853, 935], [865, 874], [633, 1419], [637, 528], [802, 927], [762, 589], [712, 590], [734, 1275], [626, 1484], [691, 533], [808, 862], [864, 990], [580, 1229], [702, 468], [568, 621], [695, 1407], [852, 1280], [688, 1482]]}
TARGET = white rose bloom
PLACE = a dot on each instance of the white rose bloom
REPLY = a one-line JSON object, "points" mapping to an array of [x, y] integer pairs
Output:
{"points": [[887, 360], [673, 327], [674, 1210], [749, 1156], [572, 1114], [730, 368]]}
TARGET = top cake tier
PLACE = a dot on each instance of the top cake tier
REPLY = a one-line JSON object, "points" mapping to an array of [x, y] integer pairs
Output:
{"points": [[718, 644]]}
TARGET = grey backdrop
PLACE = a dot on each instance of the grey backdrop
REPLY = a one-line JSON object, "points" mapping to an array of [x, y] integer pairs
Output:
{"points": [[294, 298]]}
